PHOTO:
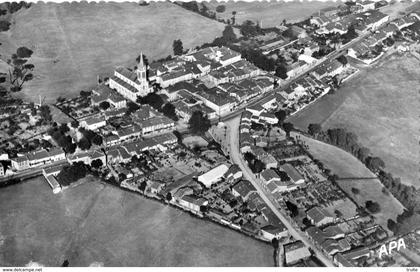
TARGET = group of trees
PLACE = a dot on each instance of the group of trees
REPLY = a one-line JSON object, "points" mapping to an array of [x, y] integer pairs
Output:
{"points": [[72, 173], [254, 163], [89, 138], [372, 206], [250, 29], [58, 133], [199, 123], [45, 114], [407, 195], [156, 102], [21, 70]]}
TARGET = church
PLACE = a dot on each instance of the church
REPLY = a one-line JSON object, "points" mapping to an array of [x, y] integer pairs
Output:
{"points": [[131, 84]]}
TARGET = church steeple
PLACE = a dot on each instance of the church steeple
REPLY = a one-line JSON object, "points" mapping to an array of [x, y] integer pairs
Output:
{"points": [[141, 70]]}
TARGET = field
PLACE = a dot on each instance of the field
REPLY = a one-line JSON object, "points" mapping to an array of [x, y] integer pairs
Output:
{"points": [[372, 190], [75, 42], [95, 223], [380, 106], [270, 14]]}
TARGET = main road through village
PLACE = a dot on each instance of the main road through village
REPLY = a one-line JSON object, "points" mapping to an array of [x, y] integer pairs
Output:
{"points": [[237, 158]]}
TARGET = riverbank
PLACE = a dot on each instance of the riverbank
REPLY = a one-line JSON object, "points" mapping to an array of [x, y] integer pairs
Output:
{"points": [[96, 222]]}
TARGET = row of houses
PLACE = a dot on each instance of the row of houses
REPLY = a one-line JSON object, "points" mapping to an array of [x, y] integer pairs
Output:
{"points": [[283, 179], [37, 158], [362, 50]]}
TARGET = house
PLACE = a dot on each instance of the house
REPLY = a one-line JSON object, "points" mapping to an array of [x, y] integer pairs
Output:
{"points": [[218, 100], [80, 157], [357, 253], [366, 5], [2, 169], [340, 261], [297, 32], [98, 155], [131, 84], [213, 176], [269, 118], [270, 232], [269, 175], [294, 175], [319, 216], [233, 174], [296, 251], [103, 93], [243, 189], [166, 139], [328, 68], [255, 109], [192, 202], [20, 162], [155, 187], [156, 124], [93, 123]]}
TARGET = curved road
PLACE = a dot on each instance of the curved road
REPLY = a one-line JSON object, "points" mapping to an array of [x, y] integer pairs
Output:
{"points": [[237, 158]]}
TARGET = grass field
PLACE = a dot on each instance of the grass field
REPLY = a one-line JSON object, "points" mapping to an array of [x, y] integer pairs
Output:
{"points": [[270, 13], [372, 190], [74, 42], [380, 106], [95, 223]]}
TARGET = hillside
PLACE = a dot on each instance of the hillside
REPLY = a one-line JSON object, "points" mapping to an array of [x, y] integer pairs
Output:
{"points": [[74, 42]]}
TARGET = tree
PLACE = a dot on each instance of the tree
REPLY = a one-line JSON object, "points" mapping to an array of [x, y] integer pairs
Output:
{"points": [[314, 129], [24, 52], [375, 163], [284, 176], [249, 28], [355, 191], [45, 113], [288, 127], [281, 116], [4, 26], [131, 107], [96, 163], [96, 139], [74, 124], [65, 263], [151, 99], [84, 144], [142, 186], [221, 8], [294, 211], [177, 47], [228, 34], [281, 71], [168, 196], [199, 123], [104, 105], [372, 206], [338, 213], [169, 111], [258, 166], [343, 60]]}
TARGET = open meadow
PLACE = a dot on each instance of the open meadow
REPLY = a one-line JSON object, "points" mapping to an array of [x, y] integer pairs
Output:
{"points": [[270, 14], [95, 223], [75, 42], [380, 106]]}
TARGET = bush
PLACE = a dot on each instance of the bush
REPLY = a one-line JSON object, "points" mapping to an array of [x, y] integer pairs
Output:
{"points": [[4, 26], [355, 191]]}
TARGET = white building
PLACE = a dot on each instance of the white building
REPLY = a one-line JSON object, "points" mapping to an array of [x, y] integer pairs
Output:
{"points": [[213, 176], [93, 123], [131, 84], [270, 232]]}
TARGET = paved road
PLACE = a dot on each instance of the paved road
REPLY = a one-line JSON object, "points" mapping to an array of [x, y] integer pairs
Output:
{"points": [[237, 158]]}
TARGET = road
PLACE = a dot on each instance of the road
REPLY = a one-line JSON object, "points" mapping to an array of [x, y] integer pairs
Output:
{"points": [[237, 158]]}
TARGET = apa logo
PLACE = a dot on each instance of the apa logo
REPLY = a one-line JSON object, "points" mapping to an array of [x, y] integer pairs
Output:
{"points": [[391, 246]]}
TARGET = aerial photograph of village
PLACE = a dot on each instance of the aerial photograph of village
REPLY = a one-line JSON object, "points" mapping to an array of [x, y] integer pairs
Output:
{"points": [[210, 134]]}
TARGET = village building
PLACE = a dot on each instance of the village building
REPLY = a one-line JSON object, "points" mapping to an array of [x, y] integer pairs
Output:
{"points": [[294, 175], [296, 251], [319, 216], [192, 202], [271, 232], [213, 176], [243, 189], [93, 123], [233, 174], [103, 93]]}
